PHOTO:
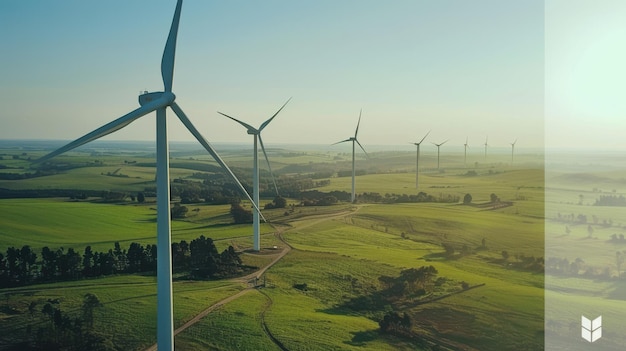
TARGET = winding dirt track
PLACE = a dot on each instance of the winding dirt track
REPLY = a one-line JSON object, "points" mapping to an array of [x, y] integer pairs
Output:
{"points": [[279, 231]]}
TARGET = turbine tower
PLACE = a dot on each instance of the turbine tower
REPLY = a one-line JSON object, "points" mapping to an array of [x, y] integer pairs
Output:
{"points": [[486, 139], [158, 101], [513, 150], [354, 140], [255, 172], [438, 146], [417, 161], [466, 147]]}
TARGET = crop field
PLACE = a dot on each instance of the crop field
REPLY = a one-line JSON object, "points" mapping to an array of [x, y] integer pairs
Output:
{"points": [[329, 291]]}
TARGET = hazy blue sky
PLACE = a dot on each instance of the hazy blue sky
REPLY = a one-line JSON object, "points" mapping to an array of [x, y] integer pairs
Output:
{"points": [[458, 68]]}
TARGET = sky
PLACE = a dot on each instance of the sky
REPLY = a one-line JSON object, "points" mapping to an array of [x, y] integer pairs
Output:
{"points": [[585, 74], [461, 69]]}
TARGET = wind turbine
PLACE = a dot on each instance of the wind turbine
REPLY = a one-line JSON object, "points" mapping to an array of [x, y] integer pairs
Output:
{"points": [[466, 147], [255, 171], [486, 139], [353, 140], [438, 146], [158, 101], [513, 150], [417, 161]]}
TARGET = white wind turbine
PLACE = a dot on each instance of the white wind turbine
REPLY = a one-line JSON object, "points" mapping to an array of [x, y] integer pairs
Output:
{"points": [[438, 146], [486, 139], [158, 101], [466, 147], [255, 171], [417, 161], [354, 140], [513, 150]]}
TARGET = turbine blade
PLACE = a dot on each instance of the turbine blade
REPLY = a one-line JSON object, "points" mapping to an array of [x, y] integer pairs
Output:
{"points": [[339, 142], [105, 129], [192, 129], [361, 146], [268, 165], [423, 138], [246, 125], [444, 142], [269, 120], [357, 125], [167, 62]]}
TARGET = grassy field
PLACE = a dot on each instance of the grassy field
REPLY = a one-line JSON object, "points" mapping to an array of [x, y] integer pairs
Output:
{"points": [[338, 251], [573, 184]]}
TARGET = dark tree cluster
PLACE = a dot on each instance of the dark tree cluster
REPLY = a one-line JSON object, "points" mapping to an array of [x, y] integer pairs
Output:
{"points": [[200, 258], [412, 198], [240, 214], [412, 281], [348, 173], [319, 198], [394, 323], [579, 268], [179, 211], [611, 200], [26, 175], [278, 202], [572, 218], [61, 330], [206, 262], [524, 263]]}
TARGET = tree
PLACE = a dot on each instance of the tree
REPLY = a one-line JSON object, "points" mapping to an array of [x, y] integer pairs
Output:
{"points": [[27, 263], [590, 230], [88, 262], [48, 263], [141, 197], [494, 198], [90, 302], [280, 202], [240, 214], [204, 257], [467, 199], [179, 211], [505, 255], [135, 257]]}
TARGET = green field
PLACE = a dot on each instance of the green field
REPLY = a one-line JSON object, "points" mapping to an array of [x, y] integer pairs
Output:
{"points": [[339, 252], [579, 230]]}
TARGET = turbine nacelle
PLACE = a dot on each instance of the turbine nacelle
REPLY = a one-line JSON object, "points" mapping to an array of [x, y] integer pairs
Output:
{"points": [[168, 97]]}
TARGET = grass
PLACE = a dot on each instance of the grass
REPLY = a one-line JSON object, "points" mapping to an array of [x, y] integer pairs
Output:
{"points": [[129, 305], [339, 251]]}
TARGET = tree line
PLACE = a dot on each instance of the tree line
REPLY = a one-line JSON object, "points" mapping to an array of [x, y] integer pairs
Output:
{"points": [[199, 258]]}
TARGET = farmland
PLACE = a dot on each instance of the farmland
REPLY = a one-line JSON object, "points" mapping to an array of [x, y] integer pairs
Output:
{"points": [[329, 291]]}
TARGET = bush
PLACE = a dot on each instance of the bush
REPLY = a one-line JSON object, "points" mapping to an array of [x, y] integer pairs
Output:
{"points": [[467, 199]]}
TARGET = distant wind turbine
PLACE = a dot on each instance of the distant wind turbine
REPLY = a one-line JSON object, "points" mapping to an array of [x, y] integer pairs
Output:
{"points": [[158, 101], [513, 150], [438, 146], [354, 140], [255, 171], [417, 161], [466, 147], [486, 139]]}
